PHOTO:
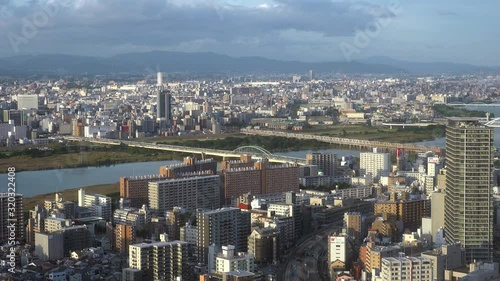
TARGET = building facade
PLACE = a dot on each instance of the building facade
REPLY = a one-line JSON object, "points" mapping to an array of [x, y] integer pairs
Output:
{"points": [[468, 201]]}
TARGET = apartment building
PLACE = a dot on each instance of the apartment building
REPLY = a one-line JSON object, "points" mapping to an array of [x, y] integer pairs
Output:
{"points": [[136, 188], [196, 190], [160, 260], [406, 269], [8, 202]]}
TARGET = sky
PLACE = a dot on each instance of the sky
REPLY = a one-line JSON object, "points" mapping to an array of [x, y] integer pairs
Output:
{"points": [[460, 31]]}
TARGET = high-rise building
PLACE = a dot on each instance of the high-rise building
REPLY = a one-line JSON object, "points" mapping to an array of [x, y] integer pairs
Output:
{"points": [[226, 226], [263, 243], [326, 162], [376, 163], [406, 269], [164, 105], [161, 260], [262, 178], [159, 79], [468, 201], [136, 188], [201, 190], [7, 217], [124, 237]]}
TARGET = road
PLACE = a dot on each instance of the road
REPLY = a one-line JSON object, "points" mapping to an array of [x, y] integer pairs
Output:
{"points": [[308, 260]]}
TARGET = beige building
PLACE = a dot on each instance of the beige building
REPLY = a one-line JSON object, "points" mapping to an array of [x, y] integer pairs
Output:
{"points": [[200, 190]]}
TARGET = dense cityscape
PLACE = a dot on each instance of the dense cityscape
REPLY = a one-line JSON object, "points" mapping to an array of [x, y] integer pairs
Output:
{"points": [[401, 210], [249, 140]]}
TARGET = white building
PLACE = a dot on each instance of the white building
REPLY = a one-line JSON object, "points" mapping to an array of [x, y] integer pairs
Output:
{"points": [[375, 163], [27, 101], [228, 261], [354, 192], [406, 269], [338, 249], [99, 204]]}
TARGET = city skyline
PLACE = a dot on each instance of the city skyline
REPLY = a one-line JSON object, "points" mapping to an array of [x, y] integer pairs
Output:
{"points": [[317, 31]]}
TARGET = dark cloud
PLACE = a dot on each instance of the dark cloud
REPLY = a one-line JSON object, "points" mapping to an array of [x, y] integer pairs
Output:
{"points": [[121, 25]]}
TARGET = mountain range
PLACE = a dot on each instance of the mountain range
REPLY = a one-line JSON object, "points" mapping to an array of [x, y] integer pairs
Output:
{"points": [[151, 62]]}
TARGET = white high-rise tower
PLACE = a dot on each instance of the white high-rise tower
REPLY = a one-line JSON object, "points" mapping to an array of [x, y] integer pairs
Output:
{"points": [[159, 79]]}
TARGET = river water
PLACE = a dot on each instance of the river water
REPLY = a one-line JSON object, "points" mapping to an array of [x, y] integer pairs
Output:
{"points": [[32, 183]]}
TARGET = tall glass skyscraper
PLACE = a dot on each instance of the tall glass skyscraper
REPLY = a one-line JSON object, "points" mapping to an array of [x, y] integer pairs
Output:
{"points": [[469, 173]]}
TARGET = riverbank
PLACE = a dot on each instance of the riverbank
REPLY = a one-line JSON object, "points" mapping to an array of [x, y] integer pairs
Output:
{"points": [[111, 190], [34, 159], [60, 156], [380, 133]]}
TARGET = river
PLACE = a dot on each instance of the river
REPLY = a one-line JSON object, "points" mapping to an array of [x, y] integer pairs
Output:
{"points": [[32, 183]]}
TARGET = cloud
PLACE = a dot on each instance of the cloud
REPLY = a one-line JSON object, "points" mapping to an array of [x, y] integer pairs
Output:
{"points": [[112, 26], [446, 13]]}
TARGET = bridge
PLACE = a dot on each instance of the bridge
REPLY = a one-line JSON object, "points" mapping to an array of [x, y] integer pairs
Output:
{"points": [[419, 125], [254, 151], [343, 141]]}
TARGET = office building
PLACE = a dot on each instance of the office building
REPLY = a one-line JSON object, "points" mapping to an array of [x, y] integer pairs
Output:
{"points": [[406, 269], [226, 226], [136, 188], [27, 101], [124, 237], [160, 260], [6, 203], [339, 252], [164, 105], [228, 260], [263, 244], [326, 162], [375, 163], [99, 205], [49, 246], [468, 211], [200, 190]]}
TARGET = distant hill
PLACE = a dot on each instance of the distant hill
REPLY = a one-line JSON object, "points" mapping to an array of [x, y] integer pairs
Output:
{"points": [[432, 68], [146, 63], [142, 63]]}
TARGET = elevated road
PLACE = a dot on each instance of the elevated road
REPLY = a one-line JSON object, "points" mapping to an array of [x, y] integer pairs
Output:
{"points": [[190, 150], [343, 141]]}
